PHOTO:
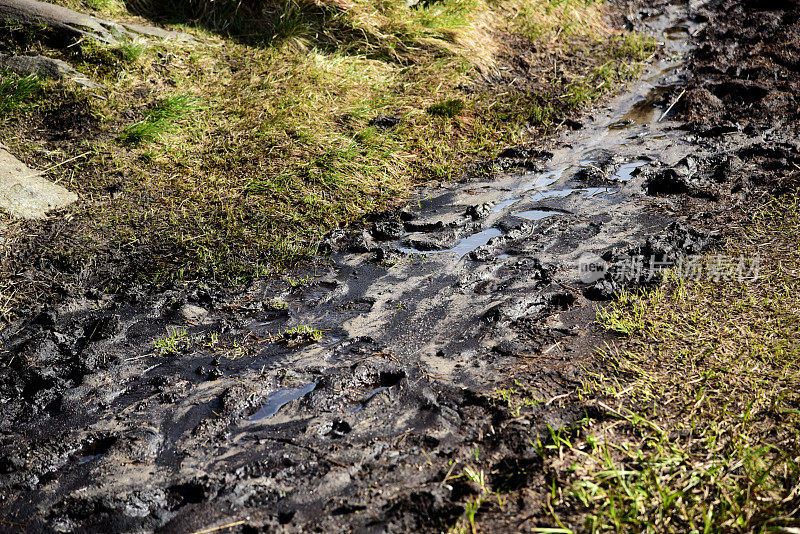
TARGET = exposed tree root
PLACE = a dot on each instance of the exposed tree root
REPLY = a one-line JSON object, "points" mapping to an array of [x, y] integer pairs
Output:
{"points": [[32, 12]]}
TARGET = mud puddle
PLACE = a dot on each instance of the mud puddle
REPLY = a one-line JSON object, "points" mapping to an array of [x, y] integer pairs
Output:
{"points": [[598, 156], [407, 330]]}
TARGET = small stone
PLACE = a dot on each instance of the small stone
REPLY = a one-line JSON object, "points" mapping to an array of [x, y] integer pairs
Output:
{"points": [[193, 313]]}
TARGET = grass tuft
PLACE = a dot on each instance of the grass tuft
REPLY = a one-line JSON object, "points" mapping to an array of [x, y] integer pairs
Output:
{"points": [[175, 342], [130, 51], [162, 119], [299, 335], [16, 90]]}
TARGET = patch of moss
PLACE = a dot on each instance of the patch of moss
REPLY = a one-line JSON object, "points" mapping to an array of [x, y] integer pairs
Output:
{"points": [[448, 108]]}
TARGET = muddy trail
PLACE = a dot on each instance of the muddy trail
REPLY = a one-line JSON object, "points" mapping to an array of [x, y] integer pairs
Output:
{"points": [[347, 397]]}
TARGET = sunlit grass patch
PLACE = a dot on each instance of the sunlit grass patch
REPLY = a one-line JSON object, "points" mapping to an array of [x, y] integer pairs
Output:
{"points": [[299, 335], [702, 403], [549, 20], [176, 341], [16, 90], [164, 117]]}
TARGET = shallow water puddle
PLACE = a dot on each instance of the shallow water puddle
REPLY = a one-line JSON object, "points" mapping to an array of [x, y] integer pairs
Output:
{"points": [[625, 171], [279, 399], [644, 111], [503, 204], [468, 244], [536, 215], [464, 247], [543, 180], [677, 33]]}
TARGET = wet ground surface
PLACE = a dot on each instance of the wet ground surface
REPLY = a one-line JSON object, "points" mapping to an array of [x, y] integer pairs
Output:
{"points": [[471, 287]]}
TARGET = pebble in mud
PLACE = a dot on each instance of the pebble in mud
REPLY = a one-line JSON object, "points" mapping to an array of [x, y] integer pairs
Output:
{"points": [[479, 211], [193, 313]]}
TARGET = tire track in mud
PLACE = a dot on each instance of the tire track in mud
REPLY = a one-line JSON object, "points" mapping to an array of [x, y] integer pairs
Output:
{"points": [[421, 318]]}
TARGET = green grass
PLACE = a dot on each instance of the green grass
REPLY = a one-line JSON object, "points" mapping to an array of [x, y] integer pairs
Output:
{"points": [[548, 20], [163, 118], [299, 335], [16, 91], [176, 341], [130, 50], [702, 402], [448, 108]]}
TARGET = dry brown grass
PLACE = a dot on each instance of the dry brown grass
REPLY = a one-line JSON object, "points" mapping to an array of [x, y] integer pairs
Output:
{"points": [[276, 148]]}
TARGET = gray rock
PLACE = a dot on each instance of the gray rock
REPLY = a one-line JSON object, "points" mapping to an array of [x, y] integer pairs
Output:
{"points": [[44, 67], [25, 194], [193, 313], [36, 13]]}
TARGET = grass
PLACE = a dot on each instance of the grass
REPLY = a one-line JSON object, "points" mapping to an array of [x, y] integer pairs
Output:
{"points": [[163, 118], [701, 430], [176, 341], [449, 108], [16, 90], [130, 50], [281, 151], [299, 335], [548, 21]]}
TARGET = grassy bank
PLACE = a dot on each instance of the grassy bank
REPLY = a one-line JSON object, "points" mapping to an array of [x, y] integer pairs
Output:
{"points": [[700, 401], [231, 154]]}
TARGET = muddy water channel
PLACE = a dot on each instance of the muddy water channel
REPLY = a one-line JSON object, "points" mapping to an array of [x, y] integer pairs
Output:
{"points": [[418, 320]]}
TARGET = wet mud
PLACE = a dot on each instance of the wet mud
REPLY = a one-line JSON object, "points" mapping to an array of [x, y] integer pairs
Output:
{"points": [[241, 416]]}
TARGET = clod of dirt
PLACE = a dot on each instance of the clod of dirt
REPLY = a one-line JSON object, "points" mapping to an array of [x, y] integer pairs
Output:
{"points": [[362, 242], [479, 211], [700, 104], [193, 313], [639, 266], [521, 152], [388, 230], [666, 182], [384, 122]]}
